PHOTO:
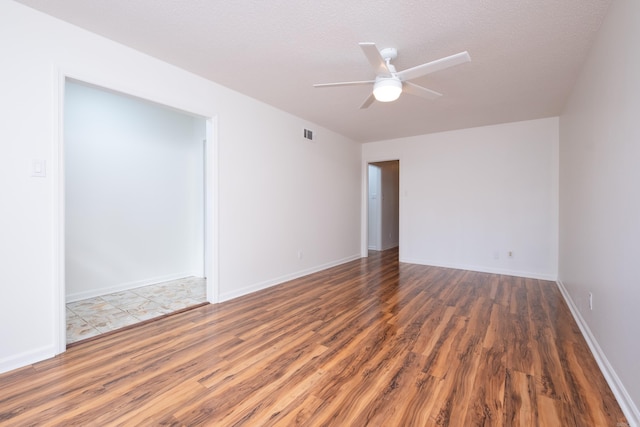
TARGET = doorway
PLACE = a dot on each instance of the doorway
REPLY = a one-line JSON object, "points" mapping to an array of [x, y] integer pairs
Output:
{"points": [[133, 205], [383, 205]]}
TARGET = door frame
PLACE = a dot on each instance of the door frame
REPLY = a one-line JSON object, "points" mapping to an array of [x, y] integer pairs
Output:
{"points": [[211, 192], [377, 208], [364, 203]]}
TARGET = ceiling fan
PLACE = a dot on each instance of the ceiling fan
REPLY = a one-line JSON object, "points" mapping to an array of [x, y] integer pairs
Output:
{"points": [[389, 83]]}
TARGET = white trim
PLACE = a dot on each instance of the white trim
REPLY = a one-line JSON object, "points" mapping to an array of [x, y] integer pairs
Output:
{"points": [[627, 405], [211, 225], [130, 285], [24, 359], [390, 246], [364, 208], [58, 250], [481, 269], [226, 296]]}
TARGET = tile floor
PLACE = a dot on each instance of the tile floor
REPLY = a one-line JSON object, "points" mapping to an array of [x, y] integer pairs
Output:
{"points": [[90, 317]]}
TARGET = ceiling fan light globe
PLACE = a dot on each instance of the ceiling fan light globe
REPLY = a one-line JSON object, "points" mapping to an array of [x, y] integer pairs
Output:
{"points": [[387, 90]]}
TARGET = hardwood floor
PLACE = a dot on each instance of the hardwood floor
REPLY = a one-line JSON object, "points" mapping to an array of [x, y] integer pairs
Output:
{"points": [[372, 342]]}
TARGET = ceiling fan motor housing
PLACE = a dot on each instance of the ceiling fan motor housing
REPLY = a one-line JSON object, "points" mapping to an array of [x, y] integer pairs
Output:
{"points": [[389, 53]]}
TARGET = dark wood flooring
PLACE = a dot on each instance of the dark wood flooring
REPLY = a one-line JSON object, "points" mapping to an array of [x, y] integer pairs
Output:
{"points": [[368, 343]]}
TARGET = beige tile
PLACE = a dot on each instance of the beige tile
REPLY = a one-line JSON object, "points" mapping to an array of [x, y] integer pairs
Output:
{"points": [[106, 313], [121, 299], [148, 310], [110, 320], [88, 306], [78, 329], [179, 304]]}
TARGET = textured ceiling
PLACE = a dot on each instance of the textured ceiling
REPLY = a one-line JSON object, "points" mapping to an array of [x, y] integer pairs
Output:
{"points": [[526, 54]]}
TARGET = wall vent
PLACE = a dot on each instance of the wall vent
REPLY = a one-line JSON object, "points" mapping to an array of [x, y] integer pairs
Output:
{"points": [[308, 134]]}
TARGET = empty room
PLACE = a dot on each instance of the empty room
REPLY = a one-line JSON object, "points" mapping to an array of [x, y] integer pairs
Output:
{"points": [[396, 213]]}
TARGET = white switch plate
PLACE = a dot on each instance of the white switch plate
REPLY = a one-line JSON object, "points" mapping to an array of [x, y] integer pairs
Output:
{"points": [[39, 168]]}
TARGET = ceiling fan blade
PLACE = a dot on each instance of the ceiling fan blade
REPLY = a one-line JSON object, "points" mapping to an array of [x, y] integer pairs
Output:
{"points": [[368, 101], [433, 66], [423, 92], [361, 82], [375, 59]]}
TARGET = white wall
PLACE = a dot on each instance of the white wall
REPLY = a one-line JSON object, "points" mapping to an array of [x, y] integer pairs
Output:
{"points": [[278, 193], [134, 192], [469, 197], [374, 207], [600, 200]]}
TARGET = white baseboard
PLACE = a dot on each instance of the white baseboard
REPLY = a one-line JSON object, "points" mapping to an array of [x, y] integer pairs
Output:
{"points": [[383, 248], [226, 296], [27, 358], [482, 269], [92, 293], [627, 405]]}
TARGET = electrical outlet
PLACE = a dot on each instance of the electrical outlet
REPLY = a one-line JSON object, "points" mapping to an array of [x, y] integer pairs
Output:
{"points": [[300, 254], [590, 301]]}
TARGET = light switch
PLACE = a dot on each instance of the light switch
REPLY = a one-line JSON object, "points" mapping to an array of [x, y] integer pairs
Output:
{"points": [[39, 168]]}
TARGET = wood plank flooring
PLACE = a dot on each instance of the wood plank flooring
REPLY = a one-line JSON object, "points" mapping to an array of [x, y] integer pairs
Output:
{"points": [[369, 343]]}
